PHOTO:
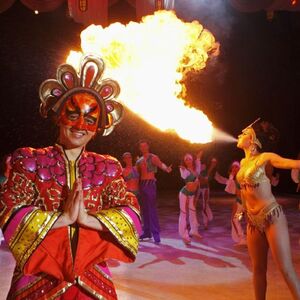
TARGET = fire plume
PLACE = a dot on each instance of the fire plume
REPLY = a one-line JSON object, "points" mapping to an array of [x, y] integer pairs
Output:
{"points": [[149, 60]]}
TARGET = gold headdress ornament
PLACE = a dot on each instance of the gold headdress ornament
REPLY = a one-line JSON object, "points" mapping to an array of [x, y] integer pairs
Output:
{"points": [[255, 139], [54, 92]]}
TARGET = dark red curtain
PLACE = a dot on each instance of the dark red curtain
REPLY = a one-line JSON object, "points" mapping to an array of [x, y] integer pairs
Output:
{"points": [[6, 4], [43, 5]]}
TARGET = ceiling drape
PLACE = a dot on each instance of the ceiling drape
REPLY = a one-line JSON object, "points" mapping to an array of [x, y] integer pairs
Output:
{"points": [[43, 5]]}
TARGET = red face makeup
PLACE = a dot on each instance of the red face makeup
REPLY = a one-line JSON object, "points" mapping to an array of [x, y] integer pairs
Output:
{"points": [[81, 111]]}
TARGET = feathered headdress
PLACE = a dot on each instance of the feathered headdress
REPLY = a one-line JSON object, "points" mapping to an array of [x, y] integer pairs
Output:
{"points": [[54, 92]]}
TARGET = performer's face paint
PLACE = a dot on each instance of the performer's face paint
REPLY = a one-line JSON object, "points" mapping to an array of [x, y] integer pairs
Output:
{"points": [[78, 120], [81, 111]]}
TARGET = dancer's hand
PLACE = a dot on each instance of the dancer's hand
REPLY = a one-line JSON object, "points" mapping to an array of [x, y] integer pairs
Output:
{"points": [[86, 220], [169, 169], [199, 154], [71, 208], [82, 215]]}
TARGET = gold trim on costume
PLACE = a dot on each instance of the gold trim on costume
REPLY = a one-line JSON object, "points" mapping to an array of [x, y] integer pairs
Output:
{"points": [[9, 213], [264, 217], [72, 172], [120, 225], [133, 229], [61, 291], [18, 292], [30, 233], [90, 290], [135, 210], [23, 191], [4, 214], [106, 276]]}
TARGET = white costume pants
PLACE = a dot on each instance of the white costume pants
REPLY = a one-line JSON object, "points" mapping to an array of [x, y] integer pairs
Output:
{"points": [[187, 210]]}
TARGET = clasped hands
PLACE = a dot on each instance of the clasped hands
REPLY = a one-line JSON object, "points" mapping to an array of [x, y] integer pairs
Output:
{"points": [[74, 210]]}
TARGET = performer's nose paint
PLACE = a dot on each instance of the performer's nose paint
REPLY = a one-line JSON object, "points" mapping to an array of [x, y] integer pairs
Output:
{"points": [[81, 111]]}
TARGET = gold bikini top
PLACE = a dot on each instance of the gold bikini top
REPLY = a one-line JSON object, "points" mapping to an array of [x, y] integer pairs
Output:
{"points": [[251, 174]]}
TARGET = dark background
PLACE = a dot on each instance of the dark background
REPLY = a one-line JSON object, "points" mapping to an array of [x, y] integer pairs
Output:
{"points": [[257, 74]]}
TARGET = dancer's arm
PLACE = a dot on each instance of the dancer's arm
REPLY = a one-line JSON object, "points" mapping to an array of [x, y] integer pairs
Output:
{"points": [[280, 162], [157, 162]]}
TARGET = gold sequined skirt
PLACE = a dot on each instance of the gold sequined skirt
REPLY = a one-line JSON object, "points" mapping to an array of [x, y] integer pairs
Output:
{"points": [[264, 217]]}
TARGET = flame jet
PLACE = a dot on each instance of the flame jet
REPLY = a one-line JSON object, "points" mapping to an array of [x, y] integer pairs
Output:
{"points": [[149, 60]]}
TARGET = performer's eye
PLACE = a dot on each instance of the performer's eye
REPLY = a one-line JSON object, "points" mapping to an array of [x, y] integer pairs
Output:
{"points": [[90, 120], [73, 116]]}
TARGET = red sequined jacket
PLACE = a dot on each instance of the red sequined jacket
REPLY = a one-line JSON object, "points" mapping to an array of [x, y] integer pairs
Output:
{"points": [[48, 261]]}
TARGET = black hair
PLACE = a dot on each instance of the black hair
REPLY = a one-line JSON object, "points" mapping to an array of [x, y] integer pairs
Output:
{"points": [[267, 134]]}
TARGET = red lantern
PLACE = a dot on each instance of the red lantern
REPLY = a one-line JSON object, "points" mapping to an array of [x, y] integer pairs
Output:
{"points": [[89, 11]]}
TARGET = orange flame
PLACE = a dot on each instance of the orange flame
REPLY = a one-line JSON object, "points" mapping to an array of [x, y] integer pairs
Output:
{"points": [[149, 60]]}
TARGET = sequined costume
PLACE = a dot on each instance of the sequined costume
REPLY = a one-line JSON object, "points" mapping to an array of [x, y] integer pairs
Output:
{"points": [[48, 262], [69, 261], [251, 176], [264, 217]]}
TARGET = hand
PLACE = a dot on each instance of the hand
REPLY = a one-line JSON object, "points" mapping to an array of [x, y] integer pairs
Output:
{"points": [[169, 169], [71, 208], [199, 154], [86, 220], [82, 215]]}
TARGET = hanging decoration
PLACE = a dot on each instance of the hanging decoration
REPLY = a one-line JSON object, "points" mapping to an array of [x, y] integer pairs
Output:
{"points": [[43, 5], [89, 11]]}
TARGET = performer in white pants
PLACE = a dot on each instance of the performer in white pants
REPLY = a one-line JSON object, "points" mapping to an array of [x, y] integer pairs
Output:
{"points": [[232, 187], [204, 191], [189, 172]]}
